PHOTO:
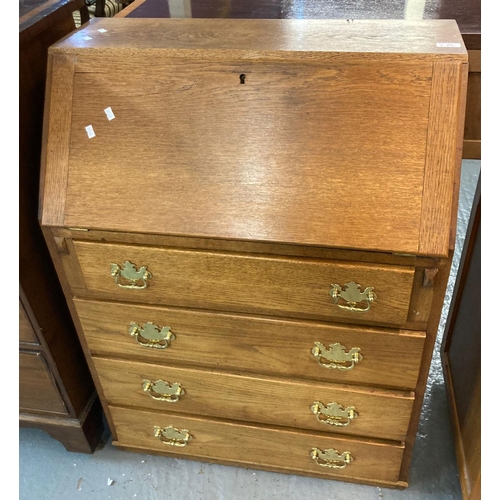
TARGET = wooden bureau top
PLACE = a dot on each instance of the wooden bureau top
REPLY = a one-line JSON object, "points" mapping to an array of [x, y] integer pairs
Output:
{"points": [[266, 37], [306, 132]]}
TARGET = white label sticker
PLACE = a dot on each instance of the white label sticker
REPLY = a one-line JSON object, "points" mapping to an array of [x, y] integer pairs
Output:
{"points": [[448, 44], [102, 30], [90, 131], [109, 113], [87, 38]]}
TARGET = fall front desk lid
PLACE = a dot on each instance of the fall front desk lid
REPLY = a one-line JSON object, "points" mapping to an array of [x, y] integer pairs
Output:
{"points": [[325, 133]]}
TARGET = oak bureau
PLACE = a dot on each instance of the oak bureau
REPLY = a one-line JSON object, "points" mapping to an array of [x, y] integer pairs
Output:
{"points": [[253, 222]]}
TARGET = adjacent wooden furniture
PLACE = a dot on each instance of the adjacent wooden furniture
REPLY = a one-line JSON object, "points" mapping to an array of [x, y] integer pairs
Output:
{"points": [[56, 392], [254, 234], [467, 14], [461, 355]]}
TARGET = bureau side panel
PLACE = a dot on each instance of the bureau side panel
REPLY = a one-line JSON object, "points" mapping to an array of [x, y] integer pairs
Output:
{"points": [[56, 138], [441, 167]]}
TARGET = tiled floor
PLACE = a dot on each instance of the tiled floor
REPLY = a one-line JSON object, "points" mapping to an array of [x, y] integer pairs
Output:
{"points": [[49, 472]]}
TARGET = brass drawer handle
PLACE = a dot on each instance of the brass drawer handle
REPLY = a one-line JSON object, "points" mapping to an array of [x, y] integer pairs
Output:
{"points": [[163, 391], [336, 357], [334, 413], [331, 458], [353, 297], [172, 436], [128, 276], [150, 335]]}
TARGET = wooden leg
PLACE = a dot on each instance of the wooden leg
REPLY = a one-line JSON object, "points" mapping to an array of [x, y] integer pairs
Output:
{"points": [[84, 15], [99, 8], [80, 435]]}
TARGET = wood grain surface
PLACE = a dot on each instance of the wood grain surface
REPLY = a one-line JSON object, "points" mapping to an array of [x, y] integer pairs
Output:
{"points": [[56, 137], [382, 414], [391, 358], [294, 155], [258, 445], [26, 330], [441, 168], [252, 247], [231, 282], [403, 39], [81, 434], [37, 388], [270, 160], [311, 139]]}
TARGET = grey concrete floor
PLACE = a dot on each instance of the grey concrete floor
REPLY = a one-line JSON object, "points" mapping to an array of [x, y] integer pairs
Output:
{"points": [[48, 472]]}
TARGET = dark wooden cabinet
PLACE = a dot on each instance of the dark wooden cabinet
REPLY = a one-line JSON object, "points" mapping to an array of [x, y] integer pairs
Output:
{"points": [[56, 392], [461, 356]]}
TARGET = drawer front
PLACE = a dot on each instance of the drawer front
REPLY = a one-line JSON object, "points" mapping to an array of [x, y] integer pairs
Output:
{"points": [[232, 282], [26, 330], [305, 405], [388, 358], [240, 444], [37, 388]]}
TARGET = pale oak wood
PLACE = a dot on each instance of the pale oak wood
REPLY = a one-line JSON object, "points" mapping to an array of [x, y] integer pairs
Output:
{"points": [[226, 55], [248, 444], [406, 40], [441, 167], [212, 460], [201, 182], [56, 136], [232, 282], [266, 400], [221, 200], [239, 246], [391, 358]]}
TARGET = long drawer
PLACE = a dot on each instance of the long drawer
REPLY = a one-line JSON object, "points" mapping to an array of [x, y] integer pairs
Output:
{"points": [[389, 358], [293, 287], [305, 405], [38, 391], [238, 444]]}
